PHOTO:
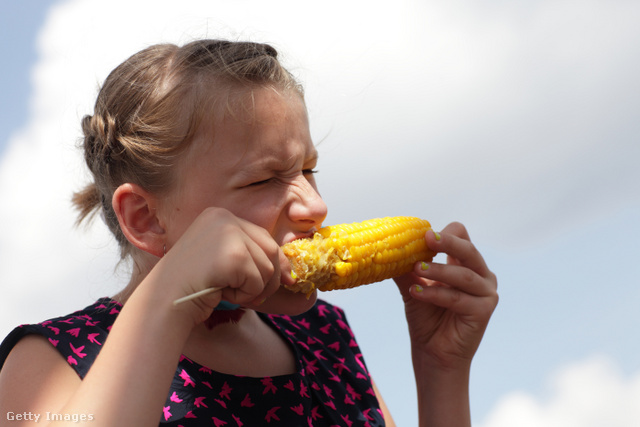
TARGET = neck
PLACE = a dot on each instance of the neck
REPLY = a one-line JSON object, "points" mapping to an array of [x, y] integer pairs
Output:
{"points": [[141, 268], [241, 327], [231, 348]]}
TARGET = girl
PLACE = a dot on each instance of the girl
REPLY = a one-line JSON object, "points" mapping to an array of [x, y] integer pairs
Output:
{"points": [[203, 167]]}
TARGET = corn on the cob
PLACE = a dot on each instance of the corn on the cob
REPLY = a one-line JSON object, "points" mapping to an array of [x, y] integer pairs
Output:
{"points": [[349, 255]]}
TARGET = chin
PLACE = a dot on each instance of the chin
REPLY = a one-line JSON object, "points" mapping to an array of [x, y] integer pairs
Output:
{"points": [[288, 303]]}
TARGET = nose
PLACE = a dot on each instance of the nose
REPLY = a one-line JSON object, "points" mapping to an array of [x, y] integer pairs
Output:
{"points": [[307, 207]]}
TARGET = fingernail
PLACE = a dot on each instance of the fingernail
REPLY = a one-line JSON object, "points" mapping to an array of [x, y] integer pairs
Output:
{"points": [[293, 275], [419, 288], [424, 266], [435, 233], [262, 302]]}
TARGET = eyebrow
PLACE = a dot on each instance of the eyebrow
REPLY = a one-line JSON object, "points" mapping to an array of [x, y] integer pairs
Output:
{"points": [[272, 163]]}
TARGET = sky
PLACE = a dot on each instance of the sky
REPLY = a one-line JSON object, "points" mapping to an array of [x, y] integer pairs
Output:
{"points": [[519, 119]]}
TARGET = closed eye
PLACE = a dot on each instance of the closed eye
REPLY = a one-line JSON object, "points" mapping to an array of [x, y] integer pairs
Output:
{"points": [[257, 183], [305, 172]]}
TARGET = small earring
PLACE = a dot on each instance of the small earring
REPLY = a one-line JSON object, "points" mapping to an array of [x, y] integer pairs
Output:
{"points": [[164, 250]]}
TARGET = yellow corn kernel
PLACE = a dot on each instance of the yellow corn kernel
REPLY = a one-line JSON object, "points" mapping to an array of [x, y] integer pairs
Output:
{"points": [[349, 255]]}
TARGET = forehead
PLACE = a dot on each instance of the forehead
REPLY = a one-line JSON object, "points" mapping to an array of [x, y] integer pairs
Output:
{"points": [[262, 127]]}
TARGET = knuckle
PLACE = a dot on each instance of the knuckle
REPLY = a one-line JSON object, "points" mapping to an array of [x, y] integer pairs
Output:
{"points": [[494, 279], [455, 296], [496, 300], [458, 225], [272, 248], [217, 213], [456, 228], [268, 271], [468, 276], [237, 253]]}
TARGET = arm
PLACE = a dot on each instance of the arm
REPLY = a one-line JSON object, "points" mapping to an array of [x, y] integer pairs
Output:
{"points": [[130, 391], [388, 419], [448, 307], [36, 380]]}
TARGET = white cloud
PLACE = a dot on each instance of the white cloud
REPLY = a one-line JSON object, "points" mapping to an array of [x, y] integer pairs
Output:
{"points": [[520, 119], [589, 393]]}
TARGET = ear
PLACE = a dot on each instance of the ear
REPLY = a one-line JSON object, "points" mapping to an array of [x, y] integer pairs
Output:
{"points": [[136, 212]]}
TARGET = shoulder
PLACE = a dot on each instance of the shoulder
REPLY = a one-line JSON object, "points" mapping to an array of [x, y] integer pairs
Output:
{"points": [[33, 367], [77, 337], [32, 355]]}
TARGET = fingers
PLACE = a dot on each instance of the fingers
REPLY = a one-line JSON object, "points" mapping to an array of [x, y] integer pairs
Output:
{"points": [[223, 251], [258, 267], [456, 300], [250, 270], [463, 282], [456, 276], [449, 298], [455, 242]]}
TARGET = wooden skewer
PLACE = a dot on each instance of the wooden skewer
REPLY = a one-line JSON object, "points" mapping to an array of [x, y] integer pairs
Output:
{"points": [[196, 295]]}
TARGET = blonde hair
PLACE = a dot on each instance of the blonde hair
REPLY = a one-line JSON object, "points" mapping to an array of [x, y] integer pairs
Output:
{"points": [[150, 107]]}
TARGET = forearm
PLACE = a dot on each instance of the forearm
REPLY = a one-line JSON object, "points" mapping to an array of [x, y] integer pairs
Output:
{"points": [[129, 381], [443, 395]]}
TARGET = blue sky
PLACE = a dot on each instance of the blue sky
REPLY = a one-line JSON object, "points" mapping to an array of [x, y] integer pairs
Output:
{"points": [[19, 24], [519, 119]]}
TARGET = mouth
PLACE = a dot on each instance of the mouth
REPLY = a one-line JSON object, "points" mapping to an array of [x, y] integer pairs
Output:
{"points": [[290, 237]]}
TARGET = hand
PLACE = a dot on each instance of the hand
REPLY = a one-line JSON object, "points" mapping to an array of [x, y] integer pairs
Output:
{"points": [[221, 250], [448, 306]]}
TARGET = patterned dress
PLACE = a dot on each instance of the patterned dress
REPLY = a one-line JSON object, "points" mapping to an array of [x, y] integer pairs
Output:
{"points": [[331, 387]]}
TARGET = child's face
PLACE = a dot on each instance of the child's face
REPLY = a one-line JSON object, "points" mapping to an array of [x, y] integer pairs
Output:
{"points": [[258, 165]]}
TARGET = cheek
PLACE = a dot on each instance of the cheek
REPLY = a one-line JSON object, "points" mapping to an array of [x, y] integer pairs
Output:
{"points": [[183, 213], [259, 210]]}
